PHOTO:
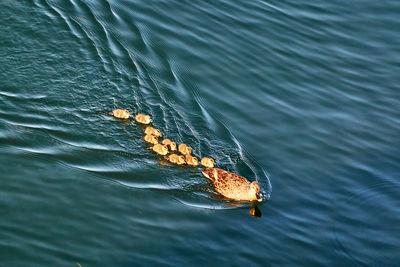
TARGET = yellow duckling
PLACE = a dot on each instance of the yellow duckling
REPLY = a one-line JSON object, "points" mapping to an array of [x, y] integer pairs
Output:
{"points": [[160, 149], [190, 160], [171, 145], [120, 113], [153, 131], [177, 159], [149, 138], [141, 118], [184, 149], [232, 185], [207, 162]]}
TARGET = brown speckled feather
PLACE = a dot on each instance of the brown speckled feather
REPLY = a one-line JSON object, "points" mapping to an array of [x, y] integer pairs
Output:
{"points": [[230, 184]]}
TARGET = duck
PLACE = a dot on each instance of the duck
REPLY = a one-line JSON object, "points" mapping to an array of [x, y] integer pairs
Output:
{"points": [[153, 131], [190, 160], [171, 145], [149, 138], [142, 118], [120, 113], [207, 162], [232, 185], [174, 158], [160, 149], [184, 149]]}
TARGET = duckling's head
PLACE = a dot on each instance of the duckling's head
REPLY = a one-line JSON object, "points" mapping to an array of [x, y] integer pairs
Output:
{"points": [[172, 145], [255, 189], [147, 119], [207, 162], [194, 161], [157, 132], [181, 160]]}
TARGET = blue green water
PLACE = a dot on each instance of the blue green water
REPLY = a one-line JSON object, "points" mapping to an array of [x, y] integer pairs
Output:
{"points": [[301, 96]]}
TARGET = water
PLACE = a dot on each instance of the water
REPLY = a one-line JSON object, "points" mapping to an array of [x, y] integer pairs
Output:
{"points": [[300, 96]]}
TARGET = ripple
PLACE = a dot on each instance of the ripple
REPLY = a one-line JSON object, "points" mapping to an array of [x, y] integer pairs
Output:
{"points": [[370, 219], [99, 29], [96, 24], [20, 96]]}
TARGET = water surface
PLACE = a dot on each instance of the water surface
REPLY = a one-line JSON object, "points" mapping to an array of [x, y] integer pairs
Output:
{"points": [[301, 96]]}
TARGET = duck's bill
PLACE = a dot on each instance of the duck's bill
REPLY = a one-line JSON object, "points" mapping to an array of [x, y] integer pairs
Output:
{"points": [[259, 199]]}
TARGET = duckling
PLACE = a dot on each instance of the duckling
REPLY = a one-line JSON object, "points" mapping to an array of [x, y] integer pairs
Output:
{"points": [[190, 160], [153, 131], [149, 138], [160, 149], [178, 159], [232, 185], [141, 118], [171, 145], [207, 162], [184, 149], [120, 113]]}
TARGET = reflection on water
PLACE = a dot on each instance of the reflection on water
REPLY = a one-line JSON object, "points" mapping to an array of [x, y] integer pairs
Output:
{"points": [[255, 212]]}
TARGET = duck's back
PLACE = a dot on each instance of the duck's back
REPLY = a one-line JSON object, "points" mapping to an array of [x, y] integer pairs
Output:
{"points": [[228, 184]]}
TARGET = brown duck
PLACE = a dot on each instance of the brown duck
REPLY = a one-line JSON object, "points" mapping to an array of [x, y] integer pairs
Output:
{"points": [[232, 185]]}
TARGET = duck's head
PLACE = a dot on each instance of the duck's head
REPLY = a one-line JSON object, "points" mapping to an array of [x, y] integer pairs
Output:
{"points": [[255, 189]]}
